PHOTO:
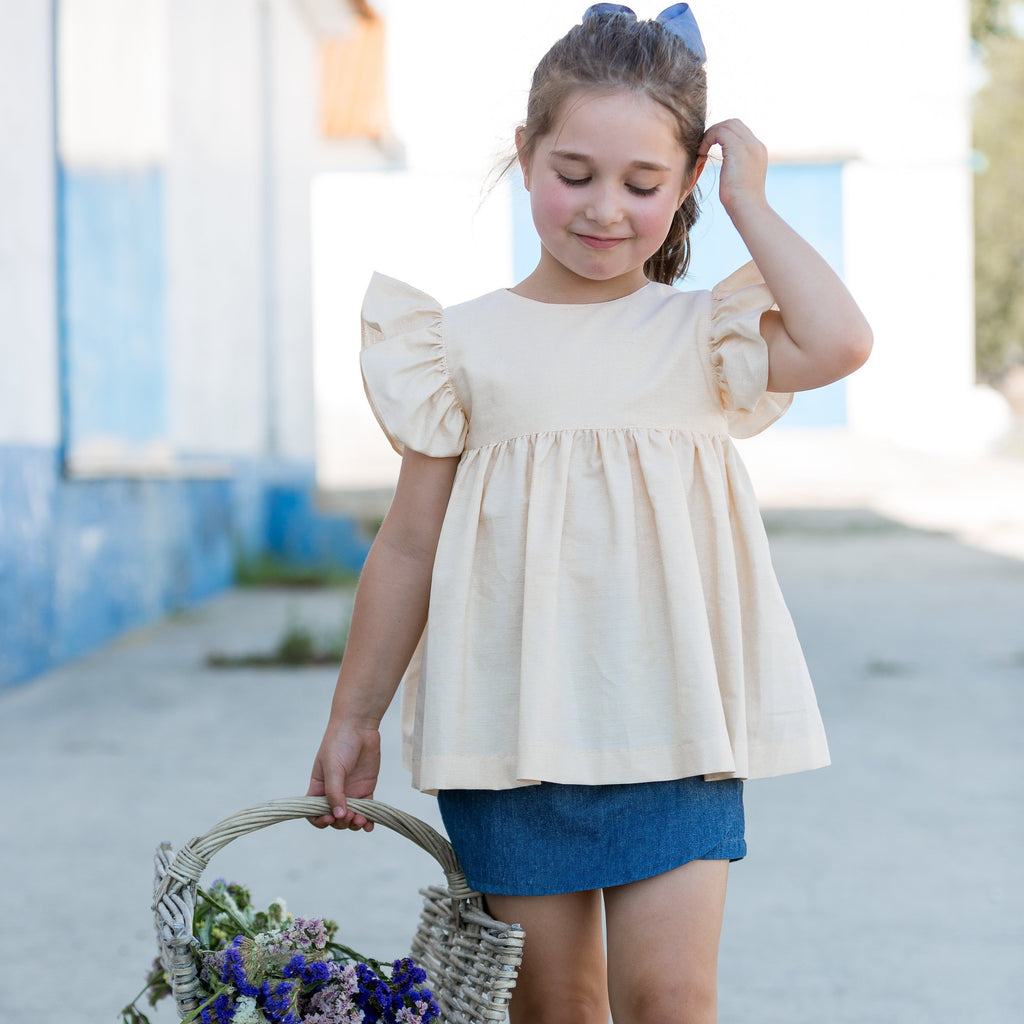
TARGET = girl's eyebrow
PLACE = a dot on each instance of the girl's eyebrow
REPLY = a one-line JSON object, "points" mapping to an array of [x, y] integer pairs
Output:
{"points": [[640, 165]]}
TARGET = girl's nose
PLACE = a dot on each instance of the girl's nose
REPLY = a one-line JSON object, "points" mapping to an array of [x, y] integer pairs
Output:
{"points": [[604, 207]]}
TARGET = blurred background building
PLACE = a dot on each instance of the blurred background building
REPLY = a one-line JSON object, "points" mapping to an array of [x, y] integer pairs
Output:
{"points": [[193, 197]]}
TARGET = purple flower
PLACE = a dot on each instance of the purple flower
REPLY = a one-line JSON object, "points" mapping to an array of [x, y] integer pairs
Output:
{"points": [[316, 972], [312, 972], [301, 935], [225, 1011], [333, 1004], [374, 996], [233, 972], [277, 1006], [220, 1012], [295, 966]]}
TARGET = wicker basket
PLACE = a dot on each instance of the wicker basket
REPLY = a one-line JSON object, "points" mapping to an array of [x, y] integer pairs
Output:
{"points": [[471, 960]]}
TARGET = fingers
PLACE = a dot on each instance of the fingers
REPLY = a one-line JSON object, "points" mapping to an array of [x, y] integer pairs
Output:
{"points": [[358, 823], [744, 164], [346, 767], [342, 815], [715, 135], [710, 139], [725, 134], [332, 787], [352, 822], [316, 788]]}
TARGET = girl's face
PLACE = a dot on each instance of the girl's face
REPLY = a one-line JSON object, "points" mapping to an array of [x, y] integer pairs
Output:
{"points": [[604, 186]]}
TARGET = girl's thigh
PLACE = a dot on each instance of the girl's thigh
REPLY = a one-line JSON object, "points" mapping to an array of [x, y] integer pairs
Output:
{"points": [[663, 935], [563, 978]]}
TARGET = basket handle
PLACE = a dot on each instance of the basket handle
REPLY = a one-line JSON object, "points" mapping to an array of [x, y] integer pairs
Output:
{"points": [[191, 860]]}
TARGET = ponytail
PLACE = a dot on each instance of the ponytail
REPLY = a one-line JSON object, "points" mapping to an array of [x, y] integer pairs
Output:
{"points": [[671, 261]]}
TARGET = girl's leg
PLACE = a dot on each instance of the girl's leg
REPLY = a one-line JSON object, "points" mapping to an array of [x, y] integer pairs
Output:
{"points": [[663, 935], [563, 978]]}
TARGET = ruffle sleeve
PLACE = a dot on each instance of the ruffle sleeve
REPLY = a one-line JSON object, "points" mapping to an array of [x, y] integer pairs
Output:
{"points": [[739, 355], [405, 372]]}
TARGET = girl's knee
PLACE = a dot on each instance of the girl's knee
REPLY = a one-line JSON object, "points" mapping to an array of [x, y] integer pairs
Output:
{"points": [[559, 1008], [690, 1002]]}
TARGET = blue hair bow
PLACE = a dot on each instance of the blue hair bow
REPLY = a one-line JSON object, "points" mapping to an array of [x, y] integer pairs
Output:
{"points": [[678, 19]]}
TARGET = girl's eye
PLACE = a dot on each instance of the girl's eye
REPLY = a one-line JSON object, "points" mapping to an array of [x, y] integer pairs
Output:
{"points": [[636, 190]]}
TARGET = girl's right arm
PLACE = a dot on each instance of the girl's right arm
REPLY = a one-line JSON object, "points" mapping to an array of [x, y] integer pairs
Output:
{"points": [[387, 621]]}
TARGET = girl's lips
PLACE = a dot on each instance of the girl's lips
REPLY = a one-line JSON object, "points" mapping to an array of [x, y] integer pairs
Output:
{"points": [[599, 243]]}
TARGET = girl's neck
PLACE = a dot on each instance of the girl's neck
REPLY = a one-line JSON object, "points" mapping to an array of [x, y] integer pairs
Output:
{"points": [[553, 283]]}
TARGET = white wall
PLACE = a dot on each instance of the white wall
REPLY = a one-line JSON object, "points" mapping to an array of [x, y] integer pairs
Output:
{"points": [[294, 120], [241, 343], [112, 108], [214, 224], [28, 327]]}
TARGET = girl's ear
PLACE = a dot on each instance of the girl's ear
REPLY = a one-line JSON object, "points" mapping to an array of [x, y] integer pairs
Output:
{"points": [[694, 178], [524, 164]]}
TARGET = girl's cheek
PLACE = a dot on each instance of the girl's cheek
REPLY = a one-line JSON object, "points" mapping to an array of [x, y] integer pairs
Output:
{"points": [[552, 207], [561, 201], [658, 221]]}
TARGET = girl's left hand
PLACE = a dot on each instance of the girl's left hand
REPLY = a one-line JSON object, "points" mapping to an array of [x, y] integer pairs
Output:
{"points": [[817, 334], [744, 163]]}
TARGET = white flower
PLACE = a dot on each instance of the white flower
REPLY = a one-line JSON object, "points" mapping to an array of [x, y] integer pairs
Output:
{"points": [[247, 1012]]}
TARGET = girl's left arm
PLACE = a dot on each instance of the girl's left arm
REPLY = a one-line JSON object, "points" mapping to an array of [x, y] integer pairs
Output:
{"points": [[819, 333]]}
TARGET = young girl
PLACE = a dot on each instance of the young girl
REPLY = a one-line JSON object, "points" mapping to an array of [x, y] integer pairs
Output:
{"points": [[573, 577]]}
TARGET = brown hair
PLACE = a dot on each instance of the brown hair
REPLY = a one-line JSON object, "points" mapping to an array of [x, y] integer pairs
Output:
{"points": [[610, 52]]}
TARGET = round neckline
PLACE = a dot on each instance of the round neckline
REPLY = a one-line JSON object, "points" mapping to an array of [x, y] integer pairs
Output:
{"points": [[579, 305]]}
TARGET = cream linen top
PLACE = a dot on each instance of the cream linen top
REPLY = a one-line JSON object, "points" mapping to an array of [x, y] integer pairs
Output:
{"points": [[603, 606]]}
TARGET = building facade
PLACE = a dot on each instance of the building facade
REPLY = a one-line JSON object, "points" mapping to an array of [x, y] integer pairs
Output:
{"points": [[156, 399]]}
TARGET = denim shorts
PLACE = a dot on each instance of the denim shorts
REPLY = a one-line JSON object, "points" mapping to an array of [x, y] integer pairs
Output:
{"points": [[550, 838]]}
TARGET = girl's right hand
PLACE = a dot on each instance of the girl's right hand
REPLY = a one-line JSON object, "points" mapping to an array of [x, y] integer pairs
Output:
{"points": [[346, 765]]}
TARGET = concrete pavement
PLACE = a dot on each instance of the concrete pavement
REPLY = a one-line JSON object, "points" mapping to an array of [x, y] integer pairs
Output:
{"points": [[885, 888]]}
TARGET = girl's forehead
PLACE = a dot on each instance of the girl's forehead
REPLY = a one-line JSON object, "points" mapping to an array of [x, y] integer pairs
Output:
{"points": [[613, 120]]}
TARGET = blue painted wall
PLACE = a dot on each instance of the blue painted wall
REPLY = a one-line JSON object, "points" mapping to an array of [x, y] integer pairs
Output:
{"points": [[297, 533], [84, 560], [111, 251], [808, 196]]}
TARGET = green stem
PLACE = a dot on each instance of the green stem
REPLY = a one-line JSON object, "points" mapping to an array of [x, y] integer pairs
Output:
{"points": [[155, 977], [239, 923], [199, 1009], [131, 1014], [356, 957], [145, 988]]}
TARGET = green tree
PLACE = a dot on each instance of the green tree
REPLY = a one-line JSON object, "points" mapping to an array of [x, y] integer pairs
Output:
{"points": [[999, 190], [989, 18]]}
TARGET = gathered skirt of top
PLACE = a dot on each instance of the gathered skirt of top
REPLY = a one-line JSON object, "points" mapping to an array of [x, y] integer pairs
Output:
{"points": [[549, 838]]}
